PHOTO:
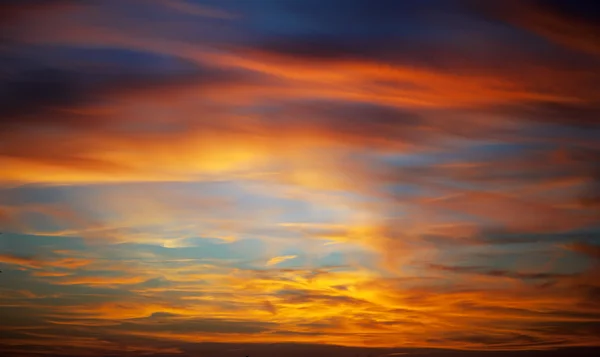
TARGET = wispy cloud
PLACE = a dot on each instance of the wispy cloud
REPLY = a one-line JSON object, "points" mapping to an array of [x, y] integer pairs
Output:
{"points": [[281, 259]]}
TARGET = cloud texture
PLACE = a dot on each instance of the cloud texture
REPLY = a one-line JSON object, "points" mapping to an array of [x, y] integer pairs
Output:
{"points": [[234, 177]]}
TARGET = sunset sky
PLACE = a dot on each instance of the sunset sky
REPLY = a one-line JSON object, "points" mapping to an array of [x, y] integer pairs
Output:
{"points": [[274, 177]]}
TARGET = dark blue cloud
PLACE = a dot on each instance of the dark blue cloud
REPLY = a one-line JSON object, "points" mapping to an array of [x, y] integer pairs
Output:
{"points": [[69, 77]]}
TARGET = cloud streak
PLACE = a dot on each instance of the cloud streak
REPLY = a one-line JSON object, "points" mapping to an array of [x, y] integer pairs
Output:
{"points": [[281, 259]]}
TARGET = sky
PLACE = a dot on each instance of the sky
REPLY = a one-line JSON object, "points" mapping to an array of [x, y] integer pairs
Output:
{"points": [[299, 177]]}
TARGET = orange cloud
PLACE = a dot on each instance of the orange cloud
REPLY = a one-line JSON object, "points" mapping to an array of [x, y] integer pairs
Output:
{"points": [[100, 280], [27, 262], [39, 263], [50, 273], [305, 302], [512, 212], [213, 143], [591, 250]]}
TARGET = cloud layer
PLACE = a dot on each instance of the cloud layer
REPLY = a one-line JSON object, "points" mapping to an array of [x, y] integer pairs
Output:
{"points": [[182, 177]]}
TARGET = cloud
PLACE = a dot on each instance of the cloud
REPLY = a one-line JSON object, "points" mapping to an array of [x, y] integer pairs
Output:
{"points": [[499, 273], [28, 262], [99, 280], [570, 24], [55, 91], [591, 250], [13, 11], [281, 259], [268, 306], [513, 212], [39, 263], [162, 158], [393, 104], [190, 8]]}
